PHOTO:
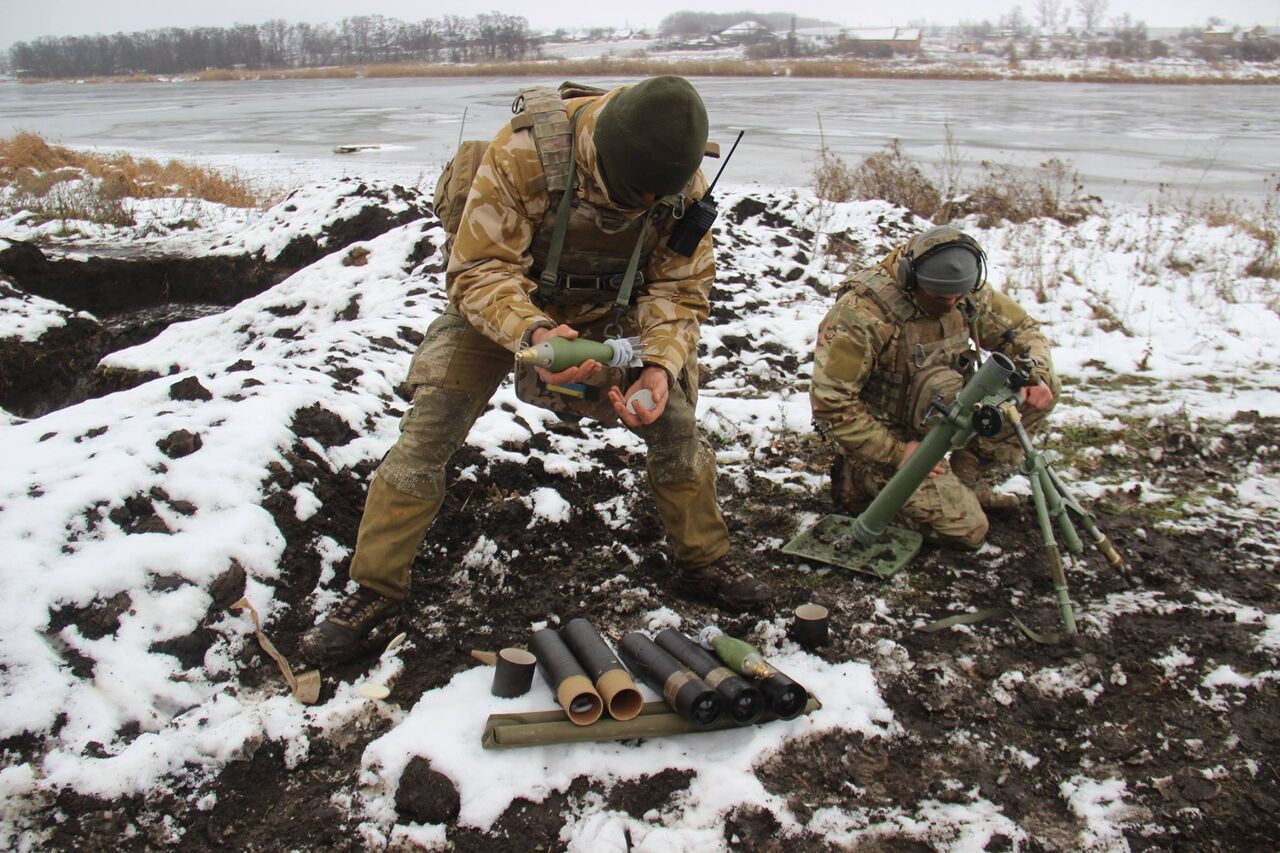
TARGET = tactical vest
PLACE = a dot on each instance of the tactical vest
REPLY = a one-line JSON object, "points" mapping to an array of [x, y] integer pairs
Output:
{"points": [[598, 242], [926, 358]]}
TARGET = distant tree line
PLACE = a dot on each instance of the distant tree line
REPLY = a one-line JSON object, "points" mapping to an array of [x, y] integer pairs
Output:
{"points": [[707, 23], [277, 44]]}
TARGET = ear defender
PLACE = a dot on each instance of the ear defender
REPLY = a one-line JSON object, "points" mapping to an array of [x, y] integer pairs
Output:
{"points": [[908, 262]]}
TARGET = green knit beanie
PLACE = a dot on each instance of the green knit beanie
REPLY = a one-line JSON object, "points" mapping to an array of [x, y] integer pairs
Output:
{"points": [[651, 137]]}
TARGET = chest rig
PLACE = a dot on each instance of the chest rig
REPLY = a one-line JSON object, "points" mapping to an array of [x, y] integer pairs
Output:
{"points": [[581, 252], [926, 358]]}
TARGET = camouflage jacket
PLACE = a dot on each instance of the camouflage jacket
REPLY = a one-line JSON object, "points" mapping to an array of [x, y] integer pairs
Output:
{"points": [[858, 355], [489, 265]]}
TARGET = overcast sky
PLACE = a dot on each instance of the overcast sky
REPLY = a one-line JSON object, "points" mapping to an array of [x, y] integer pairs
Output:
{"points": [[26, 19]]}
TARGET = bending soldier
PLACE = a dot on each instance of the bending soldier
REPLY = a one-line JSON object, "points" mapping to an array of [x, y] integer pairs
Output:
{"points": [[900, 335], [636, 152]]}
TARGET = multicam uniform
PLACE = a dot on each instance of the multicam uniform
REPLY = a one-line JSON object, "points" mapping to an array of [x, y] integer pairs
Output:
{"points": [[495, 305], [879, 361]]}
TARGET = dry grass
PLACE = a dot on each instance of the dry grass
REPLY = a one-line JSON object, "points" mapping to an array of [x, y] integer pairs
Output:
{"points": [[35, 168], [1017, 195], [1001, 193], [1260, 221], [832, 177], [887, 175]]}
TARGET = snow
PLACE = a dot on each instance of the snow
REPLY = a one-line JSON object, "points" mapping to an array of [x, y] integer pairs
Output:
{"points": [[445, 728], [26, 317], [1105, 290], [1101, 805]]}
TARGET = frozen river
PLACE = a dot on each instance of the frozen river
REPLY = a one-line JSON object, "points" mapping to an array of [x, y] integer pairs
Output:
{"points": [[1125, 140]]}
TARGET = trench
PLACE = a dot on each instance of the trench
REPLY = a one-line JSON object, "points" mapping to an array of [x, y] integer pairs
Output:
{"points": [[134, 294], [125, 301]]}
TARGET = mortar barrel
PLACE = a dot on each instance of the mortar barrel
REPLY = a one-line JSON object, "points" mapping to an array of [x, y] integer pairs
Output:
{"points": [[990, 378]]}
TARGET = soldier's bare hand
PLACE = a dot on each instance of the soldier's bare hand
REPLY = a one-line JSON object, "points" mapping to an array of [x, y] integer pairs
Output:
{"points": [[1038, 396], [655, 380], [569, 375], [909, 451], [561, 331]]}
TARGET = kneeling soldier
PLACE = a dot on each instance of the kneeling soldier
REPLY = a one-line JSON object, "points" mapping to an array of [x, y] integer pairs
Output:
{"points": [[900, 335]]}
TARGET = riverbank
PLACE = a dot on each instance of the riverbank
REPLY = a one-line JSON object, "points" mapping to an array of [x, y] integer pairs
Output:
{"points": [[977, 68]]}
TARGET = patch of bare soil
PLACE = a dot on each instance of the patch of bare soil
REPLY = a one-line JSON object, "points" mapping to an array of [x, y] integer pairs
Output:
{"points": [[984, 713]]}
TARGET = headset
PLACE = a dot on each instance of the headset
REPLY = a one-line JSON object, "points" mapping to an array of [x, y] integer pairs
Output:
{"points": [[908, 261]]}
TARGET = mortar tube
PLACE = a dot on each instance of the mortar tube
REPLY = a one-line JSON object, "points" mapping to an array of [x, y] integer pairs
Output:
{"points": [[743, 700], [688, 695], [613, 682], [950, 433], [568, 681]]}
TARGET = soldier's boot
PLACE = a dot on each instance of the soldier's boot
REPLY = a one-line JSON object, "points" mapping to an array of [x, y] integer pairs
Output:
{"points": [[365, 622], [968, 470], [723, 585]]}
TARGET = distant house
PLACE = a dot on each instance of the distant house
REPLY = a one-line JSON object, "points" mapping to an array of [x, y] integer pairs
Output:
{"points": [[877, 40], [1218, 35], [746, 32], [822, 38], [1257, 34]]}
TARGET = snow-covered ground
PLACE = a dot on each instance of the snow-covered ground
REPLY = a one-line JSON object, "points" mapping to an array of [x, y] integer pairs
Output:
{"points": [[1129, 292]]}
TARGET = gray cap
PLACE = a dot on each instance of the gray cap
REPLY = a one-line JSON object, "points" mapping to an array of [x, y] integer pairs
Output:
{"points": [[949, 270]]}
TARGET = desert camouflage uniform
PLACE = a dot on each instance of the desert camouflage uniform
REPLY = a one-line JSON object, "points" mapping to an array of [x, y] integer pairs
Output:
{"points": [[494, 307], [876, 346]]}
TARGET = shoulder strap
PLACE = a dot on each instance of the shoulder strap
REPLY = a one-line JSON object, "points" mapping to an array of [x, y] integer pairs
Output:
{"points": [[889, 296], [551, 271], [542, 110], [569, 89]]}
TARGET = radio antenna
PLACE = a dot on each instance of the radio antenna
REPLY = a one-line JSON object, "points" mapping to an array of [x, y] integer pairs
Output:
{"points": [[726, 162]]}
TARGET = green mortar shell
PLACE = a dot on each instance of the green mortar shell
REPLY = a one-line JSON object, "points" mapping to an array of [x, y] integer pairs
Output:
{"points": [[559, 354], [741, 657]]}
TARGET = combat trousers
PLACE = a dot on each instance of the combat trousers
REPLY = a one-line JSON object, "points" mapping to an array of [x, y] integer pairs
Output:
{"points": [[454, 374], [943, 508]]}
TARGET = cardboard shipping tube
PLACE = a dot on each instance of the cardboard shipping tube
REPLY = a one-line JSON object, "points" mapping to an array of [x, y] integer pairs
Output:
{"points": [[744, 702], [612, 681], [687, 694], [568, 681], [620, 694], [579, 700]]}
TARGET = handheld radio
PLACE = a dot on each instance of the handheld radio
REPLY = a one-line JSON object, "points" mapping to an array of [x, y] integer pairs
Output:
{"points": [[699, 216]]}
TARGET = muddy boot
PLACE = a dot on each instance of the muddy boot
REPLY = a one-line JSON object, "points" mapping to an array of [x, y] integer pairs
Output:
{"points": [[969, 471], [723, 585], [365, 622]]}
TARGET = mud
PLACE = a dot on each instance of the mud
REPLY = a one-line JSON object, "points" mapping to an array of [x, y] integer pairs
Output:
{"points": [[981, 714], [1197, 776]]}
